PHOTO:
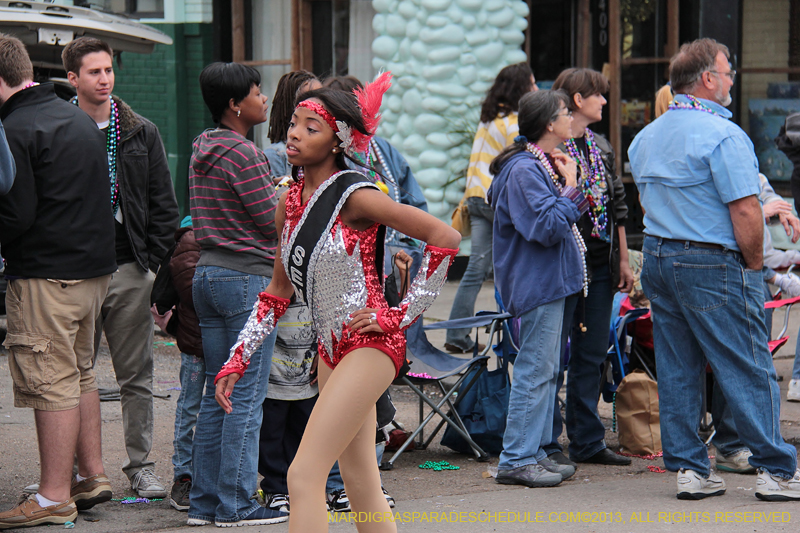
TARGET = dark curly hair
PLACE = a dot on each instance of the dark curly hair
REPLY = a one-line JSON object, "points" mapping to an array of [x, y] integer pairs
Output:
{"points": [[503, 97], [283, 102]]}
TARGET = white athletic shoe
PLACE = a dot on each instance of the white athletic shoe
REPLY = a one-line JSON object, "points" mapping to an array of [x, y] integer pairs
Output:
{"points": [[793, 394], [774, 489], [736, 462], [693, 486]]}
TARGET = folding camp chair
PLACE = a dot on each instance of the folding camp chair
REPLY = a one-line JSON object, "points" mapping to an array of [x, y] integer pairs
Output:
{"points": [[616, 366], [431, 366]]}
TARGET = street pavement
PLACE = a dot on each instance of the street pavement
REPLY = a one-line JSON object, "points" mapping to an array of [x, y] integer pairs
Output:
{"points": [[598, 498]]}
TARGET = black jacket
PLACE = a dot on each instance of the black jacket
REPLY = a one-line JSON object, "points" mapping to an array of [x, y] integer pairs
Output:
{"points": [[56, 220], [147, 196]]}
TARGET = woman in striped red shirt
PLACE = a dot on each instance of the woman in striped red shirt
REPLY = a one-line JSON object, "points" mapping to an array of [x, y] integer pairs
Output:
{"points": [[233, 203]]}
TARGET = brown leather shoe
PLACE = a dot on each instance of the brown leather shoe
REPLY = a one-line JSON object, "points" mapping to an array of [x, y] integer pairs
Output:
{"points": [[30, 513], [91, 491]]}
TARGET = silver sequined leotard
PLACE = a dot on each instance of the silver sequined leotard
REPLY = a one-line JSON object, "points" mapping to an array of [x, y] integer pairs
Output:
{"points": [[342, 279]]}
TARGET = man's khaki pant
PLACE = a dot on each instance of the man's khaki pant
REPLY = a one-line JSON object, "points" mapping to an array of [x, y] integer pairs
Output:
{"points": [[126, 320]]}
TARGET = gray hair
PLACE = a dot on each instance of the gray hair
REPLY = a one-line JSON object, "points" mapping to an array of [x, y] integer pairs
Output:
{"points": [[691, 61]]}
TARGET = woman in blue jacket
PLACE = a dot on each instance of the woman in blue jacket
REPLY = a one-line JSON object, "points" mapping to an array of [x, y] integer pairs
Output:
{"points": [[539, 262]]}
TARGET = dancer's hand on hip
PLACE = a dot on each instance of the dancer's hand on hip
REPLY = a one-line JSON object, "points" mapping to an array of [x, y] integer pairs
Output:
{"points": [[365, 321]]}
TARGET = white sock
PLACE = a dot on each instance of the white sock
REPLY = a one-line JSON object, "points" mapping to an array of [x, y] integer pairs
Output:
{"points": [[79, 477], [44, 502]]}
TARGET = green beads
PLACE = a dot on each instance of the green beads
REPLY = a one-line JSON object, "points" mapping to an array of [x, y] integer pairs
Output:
{"points": [[440, 465]]}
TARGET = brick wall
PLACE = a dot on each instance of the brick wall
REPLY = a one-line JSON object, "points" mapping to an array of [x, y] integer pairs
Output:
{"points": [[765, 43], [163, 87]]}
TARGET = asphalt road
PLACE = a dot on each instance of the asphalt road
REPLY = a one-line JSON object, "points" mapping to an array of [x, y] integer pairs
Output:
{"points": [[637, 499]]}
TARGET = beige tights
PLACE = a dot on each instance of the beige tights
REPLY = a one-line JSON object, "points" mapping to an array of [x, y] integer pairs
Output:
{"points": [[342, 426]]}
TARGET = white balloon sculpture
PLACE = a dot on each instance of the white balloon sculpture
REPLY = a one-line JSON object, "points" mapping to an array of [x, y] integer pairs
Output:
{"points": [[444, 55]]}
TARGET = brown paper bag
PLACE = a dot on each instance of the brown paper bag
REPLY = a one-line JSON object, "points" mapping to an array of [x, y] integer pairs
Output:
{"points": [[638, 423], [460, 219]]}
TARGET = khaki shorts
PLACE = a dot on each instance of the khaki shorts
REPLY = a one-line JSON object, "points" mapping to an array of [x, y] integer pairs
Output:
{"points": [[51, 340]]}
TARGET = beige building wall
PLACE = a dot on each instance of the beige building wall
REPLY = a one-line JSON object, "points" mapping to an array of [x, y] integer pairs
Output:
{"points": [[765, 43]]}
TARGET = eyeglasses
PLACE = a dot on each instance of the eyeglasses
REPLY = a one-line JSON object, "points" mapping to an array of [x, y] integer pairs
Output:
{"points": [[567, 114], [731, 74]]}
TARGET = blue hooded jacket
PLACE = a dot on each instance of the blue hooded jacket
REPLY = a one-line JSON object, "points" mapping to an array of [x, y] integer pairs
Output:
{"points": [[536, 258]]}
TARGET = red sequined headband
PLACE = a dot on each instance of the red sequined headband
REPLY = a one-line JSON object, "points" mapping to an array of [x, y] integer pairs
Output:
{"points": [[321, 111]]}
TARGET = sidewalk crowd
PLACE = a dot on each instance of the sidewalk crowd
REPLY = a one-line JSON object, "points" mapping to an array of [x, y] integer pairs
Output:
{"points": [[283, 243]]}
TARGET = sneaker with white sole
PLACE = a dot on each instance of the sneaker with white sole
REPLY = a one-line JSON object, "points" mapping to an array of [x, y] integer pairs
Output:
{"points": [[260, 517], [338, 502], [535, 475], [735, 462], [146, 484], [774, 489], [566, 471], [693, 486], [179, 494], [198, 522], [277, 502], [793, 394], [389, 499]]}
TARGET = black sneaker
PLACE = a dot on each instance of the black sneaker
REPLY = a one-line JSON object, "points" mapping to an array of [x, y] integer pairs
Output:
{"points": [[179, 495], [277, 502], [259, 517], [389, 499], [338, 502]]}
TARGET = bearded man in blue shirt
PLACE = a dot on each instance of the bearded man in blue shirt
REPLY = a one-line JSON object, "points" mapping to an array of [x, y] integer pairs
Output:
{"points": [[697, 176]]}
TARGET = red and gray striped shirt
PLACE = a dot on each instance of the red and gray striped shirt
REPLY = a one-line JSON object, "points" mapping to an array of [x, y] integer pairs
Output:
{"points": [[233, 203]]}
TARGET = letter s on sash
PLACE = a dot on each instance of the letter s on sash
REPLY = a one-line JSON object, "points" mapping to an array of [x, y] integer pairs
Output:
{"points": [[298, 255]]}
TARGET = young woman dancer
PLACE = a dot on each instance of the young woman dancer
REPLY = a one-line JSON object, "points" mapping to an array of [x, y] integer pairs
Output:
{"points": [[332, 222]]}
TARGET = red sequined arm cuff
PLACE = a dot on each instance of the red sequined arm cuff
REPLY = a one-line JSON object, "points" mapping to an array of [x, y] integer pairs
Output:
{"points": [[266, 312], [424, 290]]}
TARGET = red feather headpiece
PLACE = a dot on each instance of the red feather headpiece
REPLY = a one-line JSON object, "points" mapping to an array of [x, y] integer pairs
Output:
{"points": [[369, 100]]}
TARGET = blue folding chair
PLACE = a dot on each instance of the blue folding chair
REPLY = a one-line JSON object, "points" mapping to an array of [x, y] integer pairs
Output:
{"points": [[438, 367]]}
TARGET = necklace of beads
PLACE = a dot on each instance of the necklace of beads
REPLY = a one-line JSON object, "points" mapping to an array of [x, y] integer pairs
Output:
{"points": [[594, 184], [694, 104], [540, 155], [31, 84], [438, 466], [112, 143]]}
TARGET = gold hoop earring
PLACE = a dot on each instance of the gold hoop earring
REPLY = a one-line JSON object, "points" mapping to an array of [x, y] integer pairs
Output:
{"points": [[238, 113]]}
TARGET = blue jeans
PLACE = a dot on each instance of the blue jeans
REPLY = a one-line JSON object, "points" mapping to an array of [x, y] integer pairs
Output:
{"points": [[708, 307], [225, 451], [481, 217], [587, 351], [193, 378], [570, 303], [530, 405], [726, 439]]}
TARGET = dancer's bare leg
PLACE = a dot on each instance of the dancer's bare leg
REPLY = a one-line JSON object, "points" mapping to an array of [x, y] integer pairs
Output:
{"points": [[344, 416]]}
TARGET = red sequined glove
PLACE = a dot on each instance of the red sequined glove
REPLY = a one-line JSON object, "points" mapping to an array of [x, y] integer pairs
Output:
{"points": [[266, 312], [424, 290]]}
